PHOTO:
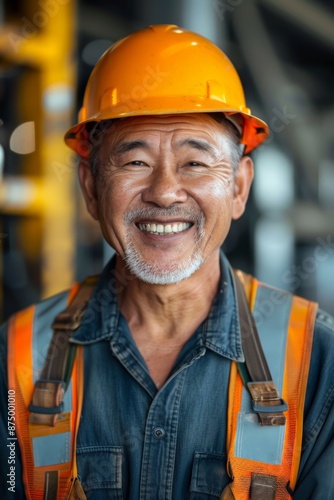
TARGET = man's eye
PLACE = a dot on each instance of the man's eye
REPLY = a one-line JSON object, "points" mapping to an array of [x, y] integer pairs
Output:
{"points": [[194, 164], [136, 163]]}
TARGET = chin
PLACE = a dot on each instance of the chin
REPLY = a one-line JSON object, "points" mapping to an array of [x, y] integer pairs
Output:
{"points": [[156, 274]]}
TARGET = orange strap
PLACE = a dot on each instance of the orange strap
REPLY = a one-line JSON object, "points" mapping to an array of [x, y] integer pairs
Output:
{"points": [[20, 379], [297, 361]]}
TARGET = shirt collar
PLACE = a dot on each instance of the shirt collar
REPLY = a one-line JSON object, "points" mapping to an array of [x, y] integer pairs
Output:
{"points": [[101, 316], [220, 332]]}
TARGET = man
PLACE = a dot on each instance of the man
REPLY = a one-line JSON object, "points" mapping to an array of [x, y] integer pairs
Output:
{"points": [[163, 137]]}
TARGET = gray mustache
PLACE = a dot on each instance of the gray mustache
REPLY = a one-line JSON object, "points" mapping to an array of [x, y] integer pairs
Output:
{"points": [[174, 211]]}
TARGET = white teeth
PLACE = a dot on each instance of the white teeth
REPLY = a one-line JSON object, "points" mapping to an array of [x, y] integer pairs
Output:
{"points": [[164, 229]]}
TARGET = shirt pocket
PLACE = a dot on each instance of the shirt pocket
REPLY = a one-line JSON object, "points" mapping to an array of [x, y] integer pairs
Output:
{"points": [[100, 471], [209, 477]]}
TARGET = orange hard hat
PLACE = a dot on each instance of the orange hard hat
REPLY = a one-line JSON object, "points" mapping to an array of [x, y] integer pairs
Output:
{"points": [[163, 70]]}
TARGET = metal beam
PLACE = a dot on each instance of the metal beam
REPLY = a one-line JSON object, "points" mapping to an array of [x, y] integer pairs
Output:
{"points": [[288, 108], [315, 19]]}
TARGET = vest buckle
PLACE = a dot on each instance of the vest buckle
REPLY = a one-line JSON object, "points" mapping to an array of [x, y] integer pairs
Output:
{"points": [[267, 403]]}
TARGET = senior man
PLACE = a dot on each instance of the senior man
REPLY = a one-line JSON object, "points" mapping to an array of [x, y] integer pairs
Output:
{"points": [[154, 380]]}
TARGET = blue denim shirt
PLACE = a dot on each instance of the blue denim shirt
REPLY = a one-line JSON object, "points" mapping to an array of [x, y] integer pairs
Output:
{"points": [[139, 442]]}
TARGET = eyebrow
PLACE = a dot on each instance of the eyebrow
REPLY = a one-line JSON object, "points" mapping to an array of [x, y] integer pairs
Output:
{"points": [[199, 144], [127, 146]]}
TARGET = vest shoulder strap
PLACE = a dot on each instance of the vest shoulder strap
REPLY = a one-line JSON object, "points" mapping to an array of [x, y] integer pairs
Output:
{"points": [[263, 461]]}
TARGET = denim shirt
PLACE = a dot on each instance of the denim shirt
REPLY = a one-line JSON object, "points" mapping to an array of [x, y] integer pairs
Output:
{"points": [[139, 442]]}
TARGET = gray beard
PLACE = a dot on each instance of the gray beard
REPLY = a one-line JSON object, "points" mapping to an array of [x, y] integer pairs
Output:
{"points": [[178, 271], [149, 273]]}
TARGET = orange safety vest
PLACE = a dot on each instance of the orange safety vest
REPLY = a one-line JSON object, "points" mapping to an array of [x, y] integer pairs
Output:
{"points": [[253, 477], [41, 474]]}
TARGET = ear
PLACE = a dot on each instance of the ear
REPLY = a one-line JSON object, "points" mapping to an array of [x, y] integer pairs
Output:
{"points": [[87, 184], [242, 184]]}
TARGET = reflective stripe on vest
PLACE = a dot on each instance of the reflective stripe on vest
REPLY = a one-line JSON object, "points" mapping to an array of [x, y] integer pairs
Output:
{"points": [[285, 325], [48, 453]]}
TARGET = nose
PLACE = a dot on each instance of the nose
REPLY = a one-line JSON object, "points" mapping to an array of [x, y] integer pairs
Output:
{"points": [[164, 189]]}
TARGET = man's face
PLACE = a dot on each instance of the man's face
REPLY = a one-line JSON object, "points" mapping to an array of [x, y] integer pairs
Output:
{"points": [[166, 193]]}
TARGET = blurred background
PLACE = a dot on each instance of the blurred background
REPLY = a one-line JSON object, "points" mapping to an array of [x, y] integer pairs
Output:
{"points": [[284, 53]]}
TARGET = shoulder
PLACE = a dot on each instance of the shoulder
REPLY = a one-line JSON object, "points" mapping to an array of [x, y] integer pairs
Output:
{"points": [[39, 315], [324, 325], [323, 345], [45, 307], [320, 387], [315, 475]]}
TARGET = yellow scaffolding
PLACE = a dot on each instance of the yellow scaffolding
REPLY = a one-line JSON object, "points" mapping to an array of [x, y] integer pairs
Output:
{"points": [[40, 38]]}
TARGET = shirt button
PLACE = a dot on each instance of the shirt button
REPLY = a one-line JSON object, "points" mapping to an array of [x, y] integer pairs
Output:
{"points": [[159, 432]]}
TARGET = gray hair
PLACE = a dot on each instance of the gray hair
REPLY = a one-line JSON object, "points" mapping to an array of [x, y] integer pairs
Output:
{"points": [[234, 135], [95, 138]]}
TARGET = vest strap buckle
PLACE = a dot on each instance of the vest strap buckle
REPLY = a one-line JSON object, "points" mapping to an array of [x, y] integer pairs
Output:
{"points": [[47, 402], [263, 487], [267, 403]]}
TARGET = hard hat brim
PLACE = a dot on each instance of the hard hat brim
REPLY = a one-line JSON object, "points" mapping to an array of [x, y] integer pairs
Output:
{"points": [[255, 130]]}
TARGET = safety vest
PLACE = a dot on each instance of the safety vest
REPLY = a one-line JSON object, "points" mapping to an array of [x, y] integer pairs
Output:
{"points": [[48, 451], [263, 460]]}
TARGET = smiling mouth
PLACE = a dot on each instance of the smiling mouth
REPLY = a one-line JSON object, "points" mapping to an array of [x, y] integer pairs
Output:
{"points": [[176, 227]]}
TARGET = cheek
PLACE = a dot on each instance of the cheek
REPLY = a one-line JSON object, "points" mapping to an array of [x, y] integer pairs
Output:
{"points": [[215, 197], [112, 205], [105, 196], [115, 196], [218, 208]]}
